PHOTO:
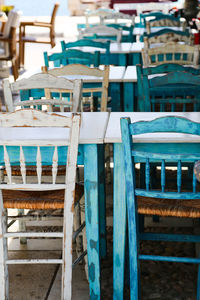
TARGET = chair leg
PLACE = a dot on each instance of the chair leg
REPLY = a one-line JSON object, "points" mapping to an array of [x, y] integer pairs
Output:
{"points": [[198, 283], [22, 227], [15, 68], [77, 224], [66, 292], [4, 293], [21, 52]]}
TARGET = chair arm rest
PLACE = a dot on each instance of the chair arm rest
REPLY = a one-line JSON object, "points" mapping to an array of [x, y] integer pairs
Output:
{"points": [[40, 24]]}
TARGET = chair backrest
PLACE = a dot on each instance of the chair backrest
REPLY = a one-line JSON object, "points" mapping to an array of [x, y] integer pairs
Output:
{"points": [[72, 56], [101, 31], [130, 38], [168, 87], [118, 17], [75, 70], [54, 12], [168, 35], [171, 53], [150, 16], [162, 157], [100, 13], [50, 84], [43, 152], [86, 43], [165, 21]]}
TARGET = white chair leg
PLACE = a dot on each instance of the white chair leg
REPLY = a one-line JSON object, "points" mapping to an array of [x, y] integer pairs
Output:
{"points": [[3, 253], [82, 206], [77, 224], [22, 227], [66, 293]]}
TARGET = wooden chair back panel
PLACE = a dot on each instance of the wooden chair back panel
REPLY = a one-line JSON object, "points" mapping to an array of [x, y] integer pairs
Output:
{"points": [[178, 90], [34, 118], [77, 70], [50, 84], [171, 53], [166, 36]]}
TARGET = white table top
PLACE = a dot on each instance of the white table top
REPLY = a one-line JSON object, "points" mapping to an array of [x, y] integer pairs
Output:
{"points": [[130, 74], [118, 48], [92, 131], [113, 132], [116, 75], [136, 47]]}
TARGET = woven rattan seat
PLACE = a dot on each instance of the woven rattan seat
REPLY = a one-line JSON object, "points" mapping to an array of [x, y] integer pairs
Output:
{"points": [[169, 207], [38, 199]]}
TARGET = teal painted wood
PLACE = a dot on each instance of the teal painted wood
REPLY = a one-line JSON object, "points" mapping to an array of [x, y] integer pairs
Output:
{"points": [[92, 219], [132, 209], [102, 200], [128, 131], [179, 85], [72, 56], [170, 237], [119, 227], [129, 96], [150, 14], [115, 92], [90, 43]]}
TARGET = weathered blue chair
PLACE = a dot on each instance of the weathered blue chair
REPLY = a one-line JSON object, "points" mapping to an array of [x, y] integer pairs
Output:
{"points": [[180, 199], [178, 89], [105, 46], [72, 56], [168, 35]]}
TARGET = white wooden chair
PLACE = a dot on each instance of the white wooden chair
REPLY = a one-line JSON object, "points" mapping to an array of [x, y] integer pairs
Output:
{"points": [[50, 84], [171, 53], [118, 17], [167, 35], [8, 49], [97, 15], [101, 31], [76, 70], [166, 22], [38, 195]]}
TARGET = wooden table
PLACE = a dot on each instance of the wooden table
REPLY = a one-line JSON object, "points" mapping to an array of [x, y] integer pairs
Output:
{"points": [[113, 135], [91, 155], [115, 85]]}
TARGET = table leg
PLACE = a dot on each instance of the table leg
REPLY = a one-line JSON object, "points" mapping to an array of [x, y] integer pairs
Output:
{"points": [[114, 91], [129, 96], [119, 224], [92, 188]]}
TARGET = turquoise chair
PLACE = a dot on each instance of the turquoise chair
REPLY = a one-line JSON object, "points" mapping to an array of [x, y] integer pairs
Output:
{"points": [[104, 58], [178, 89], [178, 200], [72, 56]]}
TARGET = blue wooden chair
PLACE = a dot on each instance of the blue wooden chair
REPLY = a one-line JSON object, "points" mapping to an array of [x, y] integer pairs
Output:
{"points": [[168, 35], [178, 88], [178, 200], [72, 56], [104, 58]]}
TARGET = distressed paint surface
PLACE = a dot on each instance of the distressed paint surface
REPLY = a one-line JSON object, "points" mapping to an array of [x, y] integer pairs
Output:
{"points": [[119, 227], [92, 219]]}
